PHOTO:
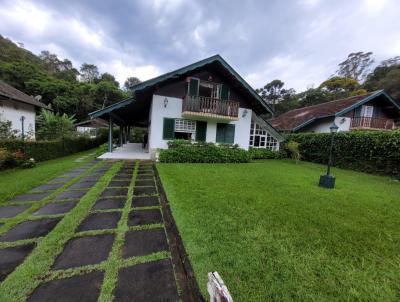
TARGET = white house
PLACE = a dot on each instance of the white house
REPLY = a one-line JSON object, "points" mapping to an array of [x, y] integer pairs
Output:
{"points": [[372, 111], [205, 101], [18, 108]]}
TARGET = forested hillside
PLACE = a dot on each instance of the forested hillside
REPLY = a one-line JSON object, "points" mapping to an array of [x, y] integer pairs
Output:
{"points": [[60, 84]]}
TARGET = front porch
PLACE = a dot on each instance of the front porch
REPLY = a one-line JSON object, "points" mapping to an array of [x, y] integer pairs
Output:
{"points": [[127, 151]]}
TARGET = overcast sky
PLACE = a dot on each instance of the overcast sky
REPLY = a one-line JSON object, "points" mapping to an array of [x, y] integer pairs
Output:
{"points": [[300, 41]]}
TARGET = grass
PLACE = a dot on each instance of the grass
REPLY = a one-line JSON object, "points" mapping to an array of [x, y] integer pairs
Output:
{"points": [[16, 181], [274, 235]]}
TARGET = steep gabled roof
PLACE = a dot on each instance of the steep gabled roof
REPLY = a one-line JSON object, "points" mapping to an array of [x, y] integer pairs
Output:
{"points": [[298, 118], [12, 93], [216, 59]]}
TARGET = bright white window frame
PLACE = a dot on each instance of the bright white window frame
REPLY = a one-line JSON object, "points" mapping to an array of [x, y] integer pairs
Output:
{"points": [[266, 140], [185, 126]]}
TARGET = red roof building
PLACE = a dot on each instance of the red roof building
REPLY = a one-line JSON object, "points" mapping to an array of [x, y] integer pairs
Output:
{"points": [[374, 110]]}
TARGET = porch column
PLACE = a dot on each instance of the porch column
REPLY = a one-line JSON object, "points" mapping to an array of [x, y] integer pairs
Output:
{"points": [[110, 135], [120, 136], [126, 134]]}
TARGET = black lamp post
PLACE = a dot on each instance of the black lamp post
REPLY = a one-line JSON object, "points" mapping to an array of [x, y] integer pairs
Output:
{"points": [[328, 181]]}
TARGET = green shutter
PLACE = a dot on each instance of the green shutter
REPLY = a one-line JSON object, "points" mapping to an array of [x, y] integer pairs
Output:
{"points": [[193, 87], [220, 133], [201, 131], [224, 92], [229, 134], [168, 128]]}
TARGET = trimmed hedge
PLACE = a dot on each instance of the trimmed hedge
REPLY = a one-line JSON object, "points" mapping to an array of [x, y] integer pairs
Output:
{"points": [[261, 153], [367, 151], [45, 150], [203, 153]]}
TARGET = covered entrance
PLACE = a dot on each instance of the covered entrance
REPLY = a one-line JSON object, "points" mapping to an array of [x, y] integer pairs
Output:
{"points": [[124, 115]]}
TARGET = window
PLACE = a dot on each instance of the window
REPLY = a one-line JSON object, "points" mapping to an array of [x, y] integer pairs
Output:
{"points": [[185, 126], [225, 133], [260, 138], [179, 129]]}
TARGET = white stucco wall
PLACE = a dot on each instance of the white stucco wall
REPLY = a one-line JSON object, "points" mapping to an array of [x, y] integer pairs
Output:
{"points": [[158, 113], [323, 126], [174, 110], [12, 111]]}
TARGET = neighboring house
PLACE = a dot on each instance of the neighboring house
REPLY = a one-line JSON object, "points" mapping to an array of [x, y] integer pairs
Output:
{"points": [[205, 101], [91, 127], [18, 107], [373, 111]]}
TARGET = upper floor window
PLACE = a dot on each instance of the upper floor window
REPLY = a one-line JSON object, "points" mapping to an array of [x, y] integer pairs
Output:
{"points": [[197, 87]]}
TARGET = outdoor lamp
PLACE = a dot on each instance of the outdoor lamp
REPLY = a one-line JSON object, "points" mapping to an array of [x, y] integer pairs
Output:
{"points": [[328, 181], [244, 113], [165, 102]]}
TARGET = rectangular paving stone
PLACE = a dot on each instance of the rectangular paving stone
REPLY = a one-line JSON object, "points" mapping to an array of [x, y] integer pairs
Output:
{"points": [[48, 187], [122, 177], [144, 242], [144, 191], [90, 178], [149, 182], [82, 251], [100, 221], [145, 201], [119, 183], [30, 229], [73, 194], [145, 177], [114, 192], [84, 288], [109, 203], [11, 211], [82, 185], [142, 217], [60, 180], [72, 174], [140, 172], [56, 208], [31, 196], [11, 257], [147, 282]]}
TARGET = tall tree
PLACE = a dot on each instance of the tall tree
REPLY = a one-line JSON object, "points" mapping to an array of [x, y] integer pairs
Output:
{"points": [[89, 72], [356, 66], [314, 96], [340, 87], [130, 82], [272, 92], [109, 78]]}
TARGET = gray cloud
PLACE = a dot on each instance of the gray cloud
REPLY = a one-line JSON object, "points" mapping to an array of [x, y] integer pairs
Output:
{"points": [[299, 42]]}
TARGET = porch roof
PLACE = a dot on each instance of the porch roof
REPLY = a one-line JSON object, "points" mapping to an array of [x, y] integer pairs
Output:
{"points": [[134, 111]]}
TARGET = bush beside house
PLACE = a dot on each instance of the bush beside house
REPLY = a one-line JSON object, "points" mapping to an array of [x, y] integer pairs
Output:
{"points": [[367, 151]]}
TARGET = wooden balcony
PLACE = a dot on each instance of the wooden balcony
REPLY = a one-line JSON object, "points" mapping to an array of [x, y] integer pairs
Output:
{"points": [[210, 108], [371, 123]]}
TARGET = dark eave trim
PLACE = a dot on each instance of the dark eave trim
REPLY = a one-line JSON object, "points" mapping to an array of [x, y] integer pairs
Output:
{"points": [[183, 70], [109, 109]]}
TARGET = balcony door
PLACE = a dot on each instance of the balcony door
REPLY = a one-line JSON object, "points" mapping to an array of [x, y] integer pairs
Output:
{"points": [[367, 112]]}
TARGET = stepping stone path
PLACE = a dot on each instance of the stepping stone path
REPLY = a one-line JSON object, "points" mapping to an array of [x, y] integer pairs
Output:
{"points": [[98, 243]]}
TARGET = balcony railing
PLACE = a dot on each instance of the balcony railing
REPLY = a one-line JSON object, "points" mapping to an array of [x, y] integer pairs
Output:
{"points": [[371, 123], [210, 107]]}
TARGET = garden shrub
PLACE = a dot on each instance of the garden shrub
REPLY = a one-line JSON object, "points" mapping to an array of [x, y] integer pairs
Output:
{"points": [[293, 148], [45, 150], [261, 153], [203, 153], [367, 151]]}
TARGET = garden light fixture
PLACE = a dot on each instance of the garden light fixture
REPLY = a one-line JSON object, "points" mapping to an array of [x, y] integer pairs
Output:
{"points": [[328, 181], [165, 102]]}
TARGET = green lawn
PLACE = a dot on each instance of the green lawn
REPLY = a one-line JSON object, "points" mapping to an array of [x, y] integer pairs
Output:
{"points": [[274, 235], [16, 181]]}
